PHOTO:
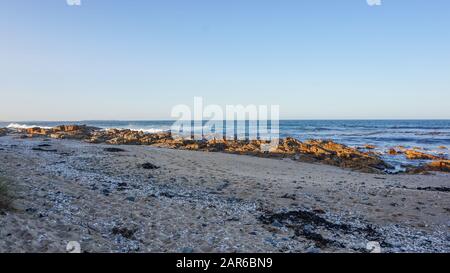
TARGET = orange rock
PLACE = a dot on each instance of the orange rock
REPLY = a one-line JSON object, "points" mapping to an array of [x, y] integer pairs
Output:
{"points": [[392, 151], [286, 146], [413, 155], [37, 131], [216, 146], [73, 128], [337, 154], [440, 165], [435, 166], [370, 147]]}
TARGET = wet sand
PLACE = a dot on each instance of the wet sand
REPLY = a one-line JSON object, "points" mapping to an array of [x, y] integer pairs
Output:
{"points": [[66, 190]]}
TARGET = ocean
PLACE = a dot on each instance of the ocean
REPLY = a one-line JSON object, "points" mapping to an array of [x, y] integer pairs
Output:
{"points": [[430, 135]]}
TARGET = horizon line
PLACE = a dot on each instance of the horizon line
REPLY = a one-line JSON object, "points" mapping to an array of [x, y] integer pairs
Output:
{"points": [[287, 119]]}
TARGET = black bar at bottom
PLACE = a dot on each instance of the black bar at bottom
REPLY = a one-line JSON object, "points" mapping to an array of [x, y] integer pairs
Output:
{"points": [[225, 262]]}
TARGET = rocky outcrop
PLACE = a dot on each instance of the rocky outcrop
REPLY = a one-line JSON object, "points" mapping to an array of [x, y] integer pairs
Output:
{"points": [[324, 151], [435, 166], [72, 131], [416, 155], [327, 152], [126, 137], [38, 131], [439, 166], [63, 131], [343, 156]]}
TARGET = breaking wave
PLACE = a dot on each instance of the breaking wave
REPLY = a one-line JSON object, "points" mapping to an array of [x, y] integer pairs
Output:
{"points": [[145, 130], [24, 126]]}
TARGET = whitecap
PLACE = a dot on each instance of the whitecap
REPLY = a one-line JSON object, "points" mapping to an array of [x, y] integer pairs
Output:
{"points": [[25, 126], [145, 130]]}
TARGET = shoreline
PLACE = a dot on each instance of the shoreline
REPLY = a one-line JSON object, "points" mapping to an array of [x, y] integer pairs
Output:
{"points": [[110, 199], [363, 158]]}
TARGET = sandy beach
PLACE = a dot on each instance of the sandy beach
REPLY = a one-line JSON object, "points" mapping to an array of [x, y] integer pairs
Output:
{"points": [[150, 199]]}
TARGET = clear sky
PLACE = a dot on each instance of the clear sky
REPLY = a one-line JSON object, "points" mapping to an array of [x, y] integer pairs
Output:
{"points": [[317, 59]]}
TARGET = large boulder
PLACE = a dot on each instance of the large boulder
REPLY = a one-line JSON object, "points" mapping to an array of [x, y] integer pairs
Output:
{"points": [[38, 131], [333, 153], [71, 128], [62, 131], [72, 131]]}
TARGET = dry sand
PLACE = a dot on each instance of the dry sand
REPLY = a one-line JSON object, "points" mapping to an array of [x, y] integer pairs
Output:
{"points": [[209, 202]]}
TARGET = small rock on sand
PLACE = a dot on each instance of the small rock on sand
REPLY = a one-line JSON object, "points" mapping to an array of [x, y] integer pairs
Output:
{"points": [[149, 166], [114, 150]]}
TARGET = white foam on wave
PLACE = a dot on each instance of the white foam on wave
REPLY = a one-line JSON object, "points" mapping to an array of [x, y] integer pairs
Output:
{"points": [[145, 130], [149, 130], [25, 126]]}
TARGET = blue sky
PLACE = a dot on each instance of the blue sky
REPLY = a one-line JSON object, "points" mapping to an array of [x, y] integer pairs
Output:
{"points": [[321, 59]]}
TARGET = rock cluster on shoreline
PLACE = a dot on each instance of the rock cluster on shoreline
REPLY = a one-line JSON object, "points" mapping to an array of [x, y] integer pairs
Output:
{"points": [[324, 151], [435, 166]]}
